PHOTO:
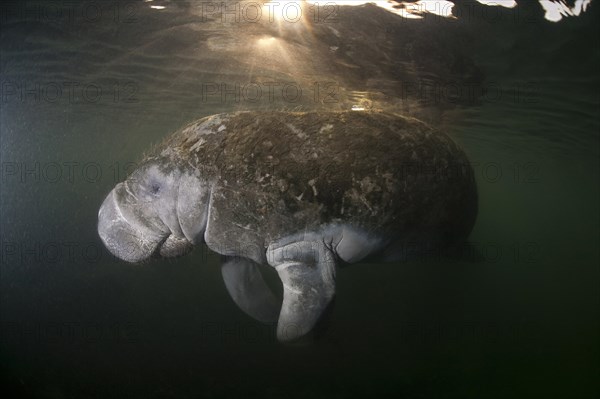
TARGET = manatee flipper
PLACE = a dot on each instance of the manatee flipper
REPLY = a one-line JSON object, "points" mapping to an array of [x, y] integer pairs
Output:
{"points": [[245, 284], [307, 271]]}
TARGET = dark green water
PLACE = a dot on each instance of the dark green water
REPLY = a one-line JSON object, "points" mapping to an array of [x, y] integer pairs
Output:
{"points": [[516, 317]]}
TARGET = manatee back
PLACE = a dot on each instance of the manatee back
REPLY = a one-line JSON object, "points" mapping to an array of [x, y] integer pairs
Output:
{"points": [[279, 172]]}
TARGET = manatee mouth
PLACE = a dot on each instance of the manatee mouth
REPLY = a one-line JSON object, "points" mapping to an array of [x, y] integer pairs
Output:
{"points": [[172, 246], [134, 240]]}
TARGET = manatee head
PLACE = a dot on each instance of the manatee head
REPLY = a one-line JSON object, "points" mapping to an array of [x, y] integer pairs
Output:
{"points": [[159, 210]]}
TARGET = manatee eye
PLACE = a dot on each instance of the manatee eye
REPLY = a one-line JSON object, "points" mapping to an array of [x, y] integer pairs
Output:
{"points": [[154, 188]]}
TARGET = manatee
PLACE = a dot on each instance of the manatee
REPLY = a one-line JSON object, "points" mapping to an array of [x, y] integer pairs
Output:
{"points": [[301, 192]]}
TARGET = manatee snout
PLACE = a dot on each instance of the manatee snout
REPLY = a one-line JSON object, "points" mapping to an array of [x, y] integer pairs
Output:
{"points": [[134, 232], [174, 246]]}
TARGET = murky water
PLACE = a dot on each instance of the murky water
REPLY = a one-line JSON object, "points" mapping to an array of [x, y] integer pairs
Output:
{"points": [[86, 89]]}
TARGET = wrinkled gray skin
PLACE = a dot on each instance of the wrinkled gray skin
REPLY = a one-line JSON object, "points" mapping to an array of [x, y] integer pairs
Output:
{"points": [[300, 192]]}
